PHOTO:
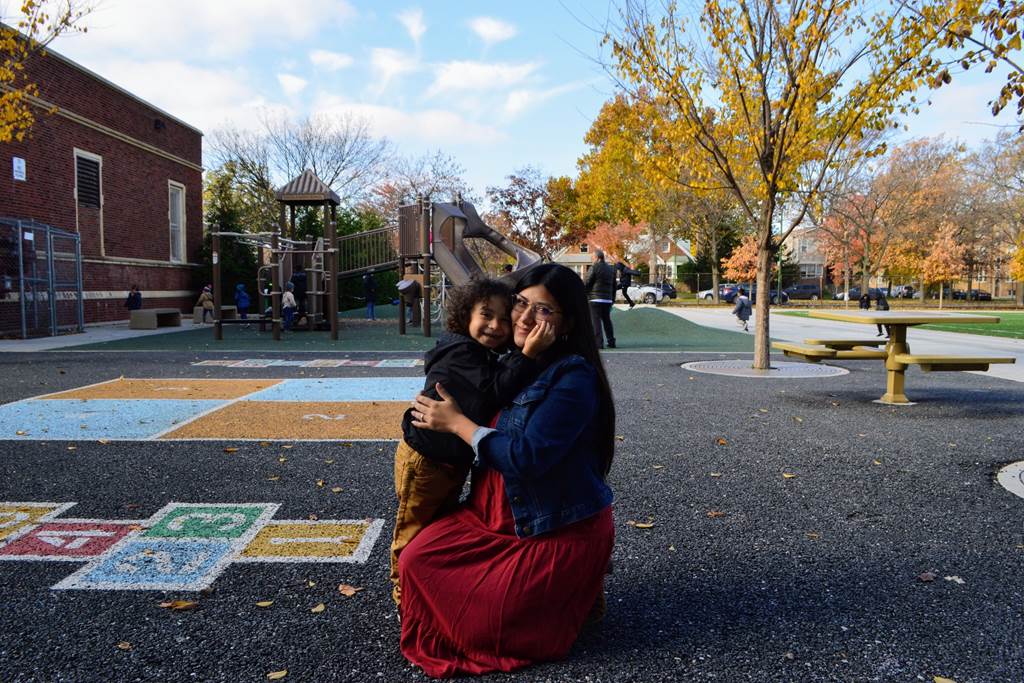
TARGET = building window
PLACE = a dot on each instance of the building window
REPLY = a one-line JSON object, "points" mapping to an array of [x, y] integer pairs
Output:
{"points": [[665, 246], [584, 248], [88, 187], [808, 270], [176, 218]]}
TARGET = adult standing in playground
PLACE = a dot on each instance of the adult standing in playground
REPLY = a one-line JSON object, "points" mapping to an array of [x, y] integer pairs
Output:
{"points": [[511, 577], [601, 291], [625, 274], [370, 292]]}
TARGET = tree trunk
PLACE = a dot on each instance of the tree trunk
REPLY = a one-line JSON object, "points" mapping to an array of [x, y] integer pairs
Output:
{"points": [[942, 286], [1019, 292], [713, 238], [654, 257], [762, 341]]}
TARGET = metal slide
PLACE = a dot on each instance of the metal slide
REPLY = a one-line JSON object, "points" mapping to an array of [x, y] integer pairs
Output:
{"points": [[452, 224]]}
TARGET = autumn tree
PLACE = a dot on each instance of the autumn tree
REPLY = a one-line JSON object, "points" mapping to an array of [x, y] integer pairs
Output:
{"points": [[1001, 164], [944, 261], [435, 175], [762, 98], [615, 238], [524, 205], [24, 36]]}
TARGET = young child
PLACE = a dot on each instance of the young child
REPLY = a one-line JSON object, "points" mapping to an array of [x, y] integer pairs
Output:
{"points": [[288, 305], [242, 301], [431, 467], [206, 302], [742, 310]]}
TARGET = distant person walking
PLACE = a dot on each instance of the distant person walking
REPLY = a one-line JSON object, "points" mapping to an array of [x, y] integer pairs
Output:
{"points": [[625, 274], [134, 301], [370, 292], [242, 301], [742, 310], [205, 302], [300, 287], [288, 305], [601, 292], [864, 302], [882, 304]]}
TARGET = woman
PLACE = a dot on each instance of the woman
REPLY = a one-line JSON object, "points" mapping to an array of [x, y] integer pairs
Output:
{"points": [[510, 578]]}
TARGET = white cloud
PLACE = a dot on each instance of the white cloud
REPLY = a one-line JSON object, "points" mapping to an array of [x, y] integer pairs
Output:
{"points": [[521, 100], [291, 84], [388, 64], [220, 29], [330, 61], [492, 30], [412, 20], [427, 127], [480, 76]]}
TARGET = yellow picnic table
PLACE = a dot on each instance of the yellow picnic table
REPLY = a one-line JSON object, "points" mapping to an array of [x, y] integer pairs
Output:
{"points": [[897, 351]]}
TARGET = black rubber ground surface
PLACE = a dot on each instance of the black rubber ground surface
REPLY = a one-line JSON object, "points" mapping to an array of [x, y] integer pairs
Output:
{"points": [[806, 578]]}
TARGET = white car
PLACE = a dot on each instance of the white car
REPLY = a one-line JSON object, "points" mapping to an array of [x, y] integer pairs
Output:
{"points": [[646, 294]]}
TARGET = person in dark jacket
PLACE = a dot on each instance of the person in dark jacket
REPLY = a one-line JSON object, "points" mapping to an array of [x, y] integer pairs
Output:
{"points": [[134, 301], [882, 304], [370, 292], [601, 293], [430, 466], [242, 301], [625, 274], [300, 283], [864, 303], [742, 309]]}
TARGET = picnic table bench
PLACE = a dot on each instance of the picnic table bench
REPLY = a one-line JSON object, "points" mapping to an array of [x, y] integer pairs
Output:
{"points": [[152, 318], [897, 355]]}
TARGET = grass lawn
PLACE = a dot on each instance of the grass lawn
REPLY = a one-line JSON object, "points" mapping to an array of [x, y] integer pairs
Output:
{"points": [[1011, 324], [641, 329]]}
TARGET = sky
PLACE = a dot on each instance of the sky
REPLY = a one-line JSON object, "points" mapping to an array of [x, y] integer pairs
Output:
{"points": [[497, 85]]}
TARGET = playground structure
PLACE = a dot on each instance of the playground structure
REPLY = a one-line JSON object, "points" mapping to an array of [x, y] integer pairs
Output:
{"points": [[427, 234]]}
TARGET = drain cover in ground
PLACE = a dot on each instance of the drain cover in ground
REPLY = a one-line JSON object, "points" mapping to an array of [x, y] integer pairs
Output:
{"points": [[779, 370], [1012, 478]]}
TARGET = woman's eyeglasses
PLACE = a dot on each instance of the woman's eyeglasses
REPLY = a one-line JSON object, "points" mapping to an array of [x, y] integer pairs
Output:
{"points": [[540, 311]]}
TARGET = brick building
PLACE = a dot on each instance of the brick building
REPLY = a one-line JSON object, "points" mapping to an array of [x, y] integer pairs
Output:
{"points": [[122, 174]]}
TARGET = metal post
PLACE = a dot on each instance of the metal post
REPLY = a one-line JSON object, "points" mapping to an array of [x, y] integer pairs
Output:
{"points": [[401, 297], [78, 283], [51, 290], [275, 286], [425, 254], [21, 277], [218, 329], [332, 270]]}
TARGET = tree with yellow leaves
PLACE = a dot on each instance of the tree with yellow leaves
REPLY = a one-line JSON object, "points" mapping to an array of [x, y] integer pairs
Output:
{"points": [[763, 98], [944, 261], [36, 25]]}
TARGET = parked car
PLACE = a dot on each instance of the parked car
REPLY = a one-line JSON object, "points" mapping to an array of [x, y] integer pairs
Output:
{"points": [[773, 296], [873, 293], [902, 292], [726, 292], [668, 289], [648, 294], [978, 295], [803, 291]]}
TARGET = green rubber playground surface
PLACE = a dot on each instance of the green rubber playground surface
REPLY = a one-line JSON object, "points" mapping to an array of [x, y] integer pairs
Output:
{"points": [[1011, 324], [641, 329]]}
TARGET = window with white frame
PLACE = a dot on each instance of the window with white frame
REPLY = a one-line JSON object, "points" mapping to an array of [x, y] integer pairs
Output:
{"points": [[666, 246], [584, 248], [176, 220]]}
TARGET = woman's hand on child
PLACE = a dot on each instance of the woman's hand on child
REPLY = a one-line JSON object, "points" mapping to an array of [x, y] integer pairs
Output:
{"points": [[439, 416], [540, 338]]}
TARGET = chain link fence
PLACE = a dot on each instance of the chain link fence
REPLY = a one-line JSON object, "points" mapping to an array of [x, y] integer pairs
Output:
{"points": [[40, 280]]}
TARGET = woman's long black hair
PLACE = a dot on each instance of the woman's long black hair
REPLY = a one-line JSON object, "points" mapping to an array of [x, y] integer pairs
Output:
{"points": [[571, 296]]}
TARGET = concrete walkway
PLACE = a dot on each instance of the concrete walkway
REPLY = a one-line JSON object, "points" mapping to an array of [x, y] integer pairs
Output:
{"points": [[797, 328], [93, 334]]}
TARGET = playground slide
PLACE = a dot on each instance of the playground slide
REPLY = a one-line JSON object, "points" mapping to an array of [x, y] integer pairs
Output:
{"points": [[452, 224], [458, 268]]}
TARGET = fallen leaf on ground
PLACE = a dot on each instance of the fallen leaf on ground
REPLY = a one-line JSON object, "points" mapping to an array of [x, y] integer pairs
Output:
{"points": [[276, 675], [104, 441], [640, 525], [720, 441], [124, 645], [282, 459], [876, 461], [798, 418], [691, 378], [273, 478], [264, 603], [319, 608], [788, 475], [230, 449], [657, 467], [320, 482], [179, 604], [716, 475], [789, 656], [672, 548], [336, 489], [72, 448], [620, 437], [955, 579], [835, 403], [715, 513], [286, 446], [926, 577], [264, 443], [329, 462], [347, 590], [310, 583], [313, 518], [135, 527], [942, 679], [814, 536], [762, 410]]}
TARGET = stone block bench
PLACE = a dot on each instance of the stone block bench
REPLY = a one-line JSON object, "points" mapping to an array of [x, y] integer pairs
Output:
{"points": [[152, 318]]}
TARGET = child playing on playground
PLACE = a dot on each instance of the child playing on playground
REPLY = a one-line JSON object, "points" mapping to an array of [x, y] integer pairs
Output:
{"points": [[431, 467], [288, 305], [242, 301], [206, 302]]}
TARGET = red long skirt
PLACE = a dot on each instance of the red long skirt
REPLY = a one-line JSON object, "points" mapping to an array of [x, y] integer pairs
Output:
{"points": [[476, 598]]}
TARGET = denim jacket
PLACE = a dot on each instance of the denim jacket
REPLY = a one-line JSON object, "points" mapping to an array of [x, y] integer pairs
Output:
{"points": [[545, 447]]}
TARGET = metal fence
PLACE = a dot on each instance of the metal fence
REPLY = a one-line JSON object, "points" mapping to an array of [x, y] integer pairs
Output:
{"points": [[40, 280]]}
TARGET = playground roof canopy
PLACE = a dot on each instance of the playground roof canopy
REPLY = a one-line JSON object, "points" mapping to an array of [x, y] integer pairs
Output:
{"points": [[306, 189]]}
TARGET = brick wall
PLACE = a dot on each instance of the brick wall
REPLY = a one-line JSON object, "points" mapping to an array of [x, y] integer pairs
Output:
{"points": [[128, 239]]}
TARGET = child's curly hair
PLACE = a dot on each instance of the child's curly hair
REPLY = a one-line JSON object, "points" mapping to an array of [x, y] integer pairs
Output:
{"points": [[463, 298]]}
